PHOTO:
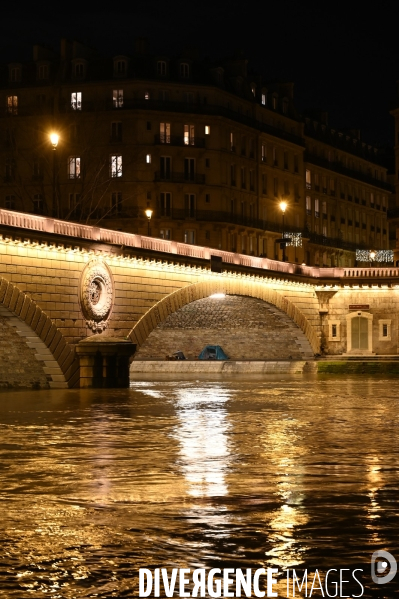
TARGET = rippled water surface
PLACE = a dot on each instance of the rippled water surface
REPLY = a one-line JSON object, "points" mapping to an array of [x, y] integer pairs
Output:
{"points": [[244, 472]]}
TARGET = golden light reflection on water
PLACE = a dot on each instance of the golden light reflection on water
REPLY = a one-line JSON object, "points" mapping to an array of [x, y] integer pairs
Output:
{"points": [[195, 473]]}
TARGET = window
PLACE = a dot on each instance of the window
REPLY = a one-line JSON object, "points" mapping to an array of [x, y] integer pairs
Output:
{"points": [[264, 99], [275, 160], [164, 95], [15, 74], [10, 170], [244, 145], [285, 105], [74, 167], [251, 180], [42, 71], [243, 177], [264, 183], [275, 101], [76, 100], [207, 130], [117, 98], [79, 70], [165, 167], [384, 330], [275, 186], [38, 204], [296, 166], [147, 95], [308, 179], [120, 67], [189, 236], [189, 138], [286, 187], [184, 69], [316, 208], [116, 165], [38, 169], [12, 104], [334, 330], [164, 133], [116, 131], [308, 205], [232, 147], [165, 234], [188, 97], [208, 198], [161, 68], [264, 152], [233, 174], [189, 201], [165, 203], [149, 126], [189, 169], [74, 200], [116, 202], [296, 192], [251, 148], [148, 158], [10, 202], [286, 160]]}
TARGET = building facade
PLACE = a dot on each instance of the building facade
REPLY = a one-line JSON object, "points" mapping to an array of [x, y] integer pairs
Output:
{"points": [[209, 148]]}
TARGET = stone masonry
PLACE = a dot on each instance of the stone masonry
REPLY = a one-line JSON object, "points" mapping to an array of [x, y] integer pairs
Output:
{"points": [[247, 328]]}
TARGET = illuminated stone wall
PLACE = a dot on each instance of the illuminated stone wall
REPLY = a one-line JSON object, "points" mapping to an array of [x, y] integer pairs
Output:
{"points": [[247, 328]]}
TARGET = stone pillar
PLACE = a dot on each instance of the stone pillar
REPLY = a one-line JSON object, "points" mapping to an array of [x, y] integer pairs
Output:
{"points": [[104, 362]]}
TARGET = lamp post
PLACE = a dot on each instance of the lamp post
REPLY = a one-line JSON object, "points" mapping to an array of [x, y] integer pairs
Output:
{"points": [[148, 214], [54, 142], [283, 208], [371, 256]]}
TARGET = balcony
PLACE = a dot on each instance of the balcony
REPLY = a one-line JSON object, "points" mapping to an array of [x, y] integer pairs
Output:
{"points": [[180, 177], [181, 141]]}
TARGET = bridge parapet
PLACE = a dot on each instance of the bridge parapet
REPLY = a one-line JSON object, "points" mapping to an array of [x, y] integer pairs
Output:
{"points": [[33, 222]]}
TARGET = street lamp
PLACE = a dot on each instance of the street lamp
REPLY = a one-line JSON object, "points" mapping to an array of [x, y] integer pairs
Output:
{"points": [[148, 214], [54, 142], [283, 208], [372, 255]]}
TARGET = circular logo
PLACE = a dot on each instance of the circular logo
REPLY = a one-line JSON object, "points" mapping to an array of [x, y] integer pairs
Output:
{"points": [[96, 295]]}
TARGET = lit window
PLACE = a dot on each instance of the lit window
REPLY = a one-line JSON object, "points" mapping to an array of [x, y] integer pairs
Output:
{"points": [[116, 165], [148, 158], [76, 100], [161, 67], [308, 179], [264, 99], [164, 133], [275, 102], [146, 95], [264, 152], [12, 104], [184, 70], [189, 135], [207, 130], [232, 148], [308, 205], [74, 167], [117, 98], [253, 89]]}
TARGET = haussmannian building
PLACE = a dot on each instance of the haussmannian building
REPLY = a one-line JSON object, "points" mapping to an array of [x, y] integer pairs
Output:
{"points": [[210, 148]]}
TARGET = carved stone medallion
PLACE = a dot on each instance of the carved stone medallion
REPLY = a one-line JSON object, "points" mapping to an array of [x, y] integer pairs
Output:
{"points": [[96, 295]]}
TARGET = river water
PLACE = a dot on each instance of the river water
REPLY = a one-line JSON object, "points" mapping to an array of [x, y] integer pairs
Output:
{"points": [[244, 472]]}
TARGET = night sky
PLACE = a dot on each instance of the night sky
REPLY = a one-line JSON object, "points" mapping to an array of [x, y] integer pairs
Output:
{"points": [[342, 57]]}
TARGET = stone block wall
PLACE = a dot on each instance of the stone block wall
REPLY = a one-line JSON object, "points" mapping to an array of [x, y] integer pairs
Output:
{"points": [[246, 328]]}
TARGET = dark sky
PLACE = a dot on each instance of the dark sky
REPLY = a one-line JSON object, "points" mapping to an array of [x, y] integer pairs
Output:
{"points": [[342, 57]]}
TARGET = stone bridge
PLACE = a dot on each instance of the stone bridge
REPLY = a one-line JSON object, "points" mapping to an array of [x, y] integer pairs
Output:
{"points": [[75, 298]]}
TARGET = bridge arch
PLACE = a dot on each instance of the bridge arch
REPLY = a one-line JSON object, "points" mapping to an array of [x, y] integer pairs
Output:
{"points": [[56, 357], [176, 300]]}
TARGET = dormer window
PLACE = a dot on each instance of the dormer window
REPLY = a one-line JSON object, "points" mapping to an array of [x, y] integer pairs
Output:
{"points": [[161, 68], [79, 70], [264, 97], [285, 105], [42, 72], [120, 66], [275, 101], [253, 89], [15, 73], [184, 69]]}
